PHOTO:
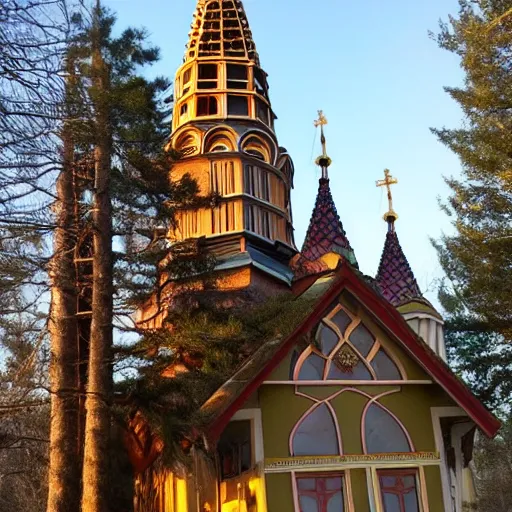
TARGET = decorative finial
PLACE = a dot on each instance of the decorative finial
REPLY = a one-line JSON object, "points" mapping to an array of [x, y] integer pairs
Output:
{"points": [[323, 161], [391, 216]]}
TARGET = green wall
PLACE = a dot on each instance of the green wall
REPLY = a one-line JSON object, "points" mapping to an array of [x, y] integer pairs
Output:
{"points": [[279, 492]]}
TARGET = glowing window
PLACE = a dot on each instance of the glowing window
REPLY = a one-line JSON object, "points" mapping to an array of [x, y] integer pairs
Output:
{"points": [[383, 433], [399, 490], [316, 434]]}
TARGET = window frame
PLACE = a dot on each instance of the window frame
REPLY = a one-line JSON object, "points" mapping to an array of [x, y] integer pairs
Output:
{"points": [[346, 486], [201, 81], [230, 81], [344, 339], [374, 490]]}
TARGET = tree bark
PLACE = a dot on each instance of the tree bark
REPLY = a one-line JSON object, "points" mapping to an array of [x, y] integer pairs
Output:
{"points": [[64, 469], [95, 497]]}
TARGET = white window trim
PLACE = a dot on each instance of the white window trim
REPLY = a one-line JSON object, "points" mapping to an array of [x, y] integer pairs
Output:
{"points": [[254, 415], [446, 412]]}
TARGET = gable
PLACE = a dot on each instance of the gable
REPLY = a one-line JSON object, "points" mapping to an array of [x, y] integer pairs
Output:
{"points": [[254, 372], [347, 330]]}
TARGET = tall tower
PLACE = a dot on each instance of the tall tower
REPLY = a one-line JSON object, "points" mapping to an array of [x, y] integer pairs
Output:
{"points": [[223, 128]]}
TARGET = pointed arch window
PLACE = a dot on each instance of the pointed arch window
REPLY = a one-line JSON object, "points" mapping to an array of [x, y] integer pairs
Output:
{"points": [[383, 433], [345, 349], [316, 434]]}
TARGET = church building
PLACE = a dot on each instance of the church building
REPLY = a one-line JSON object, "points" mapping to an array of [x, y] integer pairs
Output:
{"points": [[356, 409]]}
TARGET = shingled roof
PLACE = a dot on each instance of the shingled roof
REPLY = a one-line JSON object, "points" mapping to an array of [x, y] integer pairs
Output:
{"points": [[395, 278], [325, 233]]}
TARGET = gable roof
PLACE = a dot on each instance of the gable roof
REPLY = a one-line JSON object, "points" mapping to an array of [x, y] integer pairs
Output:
{"points": [[232, 395]]}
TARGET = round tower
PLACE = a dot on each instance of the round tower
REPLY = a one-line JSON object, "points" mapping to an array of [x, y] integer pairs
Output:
{"points": [[223, 130]]}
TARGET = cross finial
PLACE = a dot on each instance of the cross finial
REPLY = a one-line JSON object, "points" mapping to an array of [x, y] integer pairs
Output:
{"points": [[389, 180], [323, 161]]}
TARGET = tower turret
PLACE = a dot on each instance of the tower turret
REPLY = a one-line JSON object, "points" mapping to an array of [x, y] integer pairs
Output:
{"points": [[223, 128], [326, 241], [397, 283]]}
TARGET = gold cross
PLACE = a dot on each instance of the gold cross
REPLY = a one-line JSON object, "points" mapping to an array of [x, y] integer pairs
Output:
{"points": [[387, 182], [322, 121]]}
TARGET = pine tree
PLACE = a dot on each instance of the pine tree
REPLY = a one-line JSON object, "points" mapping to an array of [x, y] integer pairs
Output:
{"points": [[477, 258]]}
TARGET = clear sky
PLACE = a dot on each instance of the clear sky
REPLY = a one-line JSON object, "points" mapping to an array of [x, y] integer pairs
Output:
{"points": [[371, 66]]}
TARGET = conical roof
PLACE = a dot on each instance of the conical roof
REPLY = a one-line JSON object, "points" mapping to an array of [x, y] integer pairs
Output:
{"points": [[220, 29], [395, 278], [325, 233]]}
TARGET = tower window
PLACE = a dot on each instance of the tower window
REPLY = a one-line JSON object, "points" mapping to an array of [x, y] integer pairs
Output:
{"points": [[260, 82], [238, 105], [237, 76], [207, 106], [207, 78], [262, 111], [184, 109], [187, 75]]}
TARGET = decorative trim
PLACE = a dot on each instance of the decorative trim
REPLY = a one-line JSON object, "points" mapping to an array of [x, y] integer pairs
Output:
{"points": [[333, 462], [348, 382], [374, 401]]}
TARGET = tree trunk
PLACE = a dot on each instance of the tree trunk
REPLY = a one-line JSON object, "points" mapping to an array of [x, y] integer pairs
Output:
{"points": [[95, 496], [64, 470]]}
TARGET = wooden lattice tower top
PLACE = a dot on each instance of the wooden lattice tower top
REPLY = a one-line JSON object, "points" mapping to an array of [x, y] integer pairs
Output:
{"points": [[220, 29]]}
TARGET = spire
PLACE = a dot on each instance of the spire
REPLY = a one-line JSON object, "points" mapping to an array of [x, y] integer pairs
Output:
{"points": [[325, 233], [395, 278], [390, 216], [323, 161], [220, 29]]}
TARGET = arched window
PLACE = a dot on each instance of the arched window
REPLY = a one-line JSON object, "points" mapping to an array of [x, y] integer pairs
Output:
{"points": [[187, 144], [345, 349], [257, 148], [316, 434], [218, 142], [382, 432]]}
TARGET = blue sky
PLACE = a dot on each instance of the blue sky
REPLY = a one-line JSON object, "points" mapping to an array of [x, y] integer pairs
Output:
{"points": [[379, 78]]}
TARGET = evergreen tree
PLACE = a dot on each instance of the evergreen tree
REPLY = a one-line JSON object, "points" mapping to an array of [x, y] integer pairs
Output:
{"points": [[477, 258]]}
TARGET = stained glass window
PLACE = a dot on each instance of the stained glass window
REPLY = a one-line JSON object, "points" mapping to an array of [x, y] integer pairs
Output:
{"points": [[362, 339], [312, 368], [320, 493], [341, 320], [316, 434], [399, 490], [383, 433], [336, 357], [384, 367], [327, 338]]}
